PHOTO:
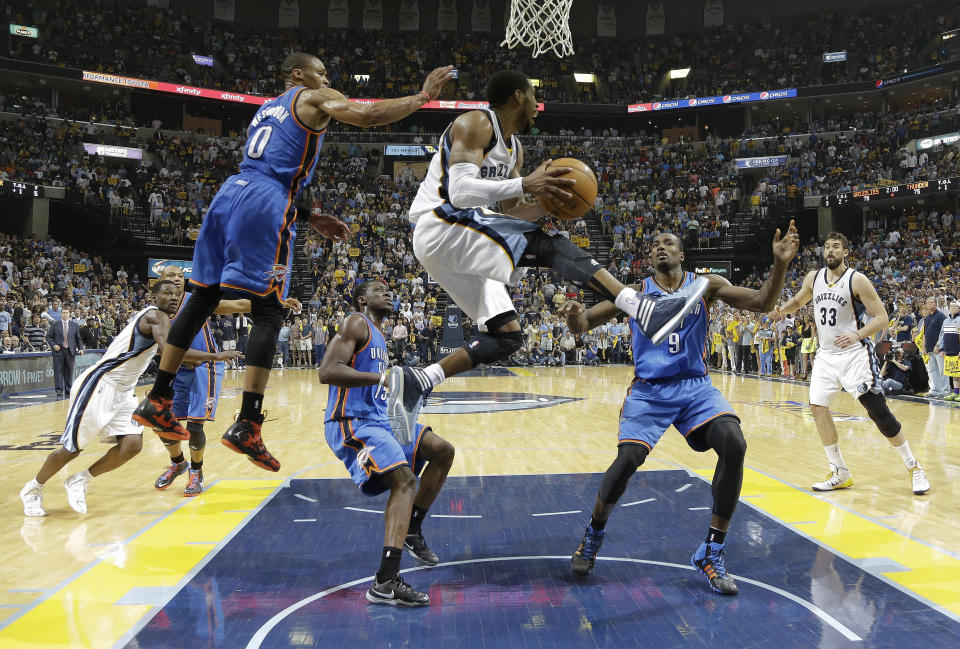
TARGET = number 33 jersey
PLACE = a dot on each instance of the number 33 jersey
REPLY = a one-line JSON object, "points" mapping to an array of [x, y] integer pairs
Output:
{"points": [[835, 309], [683, 354]]}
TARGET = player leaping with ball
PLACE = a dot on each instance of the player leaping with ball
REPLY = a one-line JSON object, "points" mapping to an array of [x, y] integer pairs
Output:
{"points": [[473, 252]]}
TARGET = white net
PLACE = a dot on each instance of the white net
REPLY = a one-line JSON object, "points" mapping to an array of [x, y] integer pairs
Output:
{"points": [[543, 25]]}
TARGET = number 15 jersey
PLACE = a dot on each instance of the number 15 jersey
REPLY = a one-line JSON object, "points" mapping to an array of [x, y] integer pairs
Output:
{"points": [[835, 309], [683, 354]]}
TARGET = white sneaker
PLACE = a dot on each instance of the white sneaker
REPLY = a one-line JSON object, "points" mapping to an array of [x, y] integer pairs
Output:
{"points": [[76, 486], [919, 478], [32, 498], [838, 479]]}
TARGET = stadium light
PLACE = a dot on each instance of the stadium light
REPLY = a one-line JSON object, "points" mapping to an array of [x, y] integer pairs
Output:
{"points": [[584, 77], [946, 36], [678, 73], [536, 83]]}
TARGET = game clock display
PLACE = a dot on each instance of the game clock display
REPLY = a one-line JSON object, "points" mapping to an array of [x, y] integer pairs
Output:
{"points": [[916, 188], [17, 188]]}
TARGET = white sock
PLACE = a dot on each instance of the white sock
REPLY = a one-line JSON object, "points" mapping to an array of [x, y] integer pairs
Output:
{"points": [[904, 450], [435, 374], [86, 475], [627, 302], [834, 457], [33, 484]]}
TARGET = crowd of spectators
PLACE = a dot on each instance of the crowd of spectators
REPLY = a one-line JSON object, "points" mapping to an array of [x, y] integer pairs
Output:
{"points": [[157, 43]]}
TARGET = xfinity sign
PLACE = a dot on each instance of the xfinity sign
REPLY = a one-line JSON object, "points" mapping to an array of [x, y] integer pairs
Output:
{"points": [[835, 57]]}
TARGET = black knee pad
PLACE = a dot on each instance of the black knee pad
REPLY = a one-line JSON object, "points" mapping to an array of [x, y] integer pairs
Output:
{"points": [[488, 347], [629, 458], [876, 407], [725, 436], [267, 317], [565, 257], [198, 307], [198, 439]]}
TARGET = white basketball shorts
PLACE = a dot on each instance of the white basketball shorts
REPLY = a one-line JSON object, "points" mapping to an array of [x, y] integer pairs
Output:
{"points": [[855, 371], [98, 411]]}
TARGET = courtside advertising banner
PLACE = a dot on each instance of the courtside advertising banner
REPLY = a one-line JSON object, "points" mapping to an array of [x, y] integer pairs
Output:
{"points": [[718, 100], [108, 151], [761, 162]]}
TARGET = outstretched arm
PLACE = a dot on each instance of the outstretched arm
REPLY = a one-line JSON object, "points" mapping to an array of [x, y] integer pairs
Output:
{"points": [[580, 320], [312, 104], [804, 295], [155, 324], [764, 299]]}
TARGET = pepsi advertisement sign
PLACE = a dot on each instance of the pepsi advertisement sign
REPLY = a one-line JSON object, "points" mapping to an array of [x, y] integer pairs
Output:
{"points": [[695, 102]]}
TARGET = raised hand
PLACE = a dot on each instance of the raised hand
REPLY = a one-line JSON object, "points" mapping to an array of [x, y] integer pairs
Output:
{"points": [[293, 304], [329, 226], [785, 249], [436, 79], [544, 181]]}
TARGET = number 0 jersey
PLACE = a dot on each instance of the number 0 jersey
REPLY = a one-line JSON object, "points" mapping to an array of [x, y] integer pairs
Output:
{"points": [[683, 354], [279, 145], [835, 309]]}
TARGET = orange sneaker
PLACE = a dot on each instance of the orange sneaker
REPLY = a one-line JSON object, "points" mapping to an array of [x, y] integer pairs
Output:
{"points": [[243, 436]]}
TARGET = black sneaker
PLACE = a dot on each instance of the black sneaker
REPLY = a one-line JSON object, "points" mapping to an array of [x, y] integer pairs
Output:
{"points": [[417, 547], [170, 474], [583, 560], [708, 560], [243, 436], [659, 315], [409, 389], [396, 592]]}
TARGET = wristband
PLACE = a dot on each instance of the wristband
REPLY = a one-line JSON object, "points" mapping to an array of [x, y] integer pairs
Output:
{"points": [[427, 95]]}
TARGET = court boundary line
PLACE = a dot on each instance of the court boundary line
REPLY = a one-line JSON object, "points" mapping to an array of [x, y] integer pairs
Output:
{"points": [[841, 555], [145, 619], [260, 635]]}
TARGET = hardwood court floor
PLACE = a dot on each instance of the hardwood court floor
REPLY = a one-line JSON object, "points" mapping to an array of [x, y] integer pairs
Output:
{"points": [[67, 575]]}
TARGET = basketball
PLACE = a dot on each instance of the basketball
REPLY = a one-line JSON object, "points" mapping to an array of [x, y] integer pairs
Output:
{"points": [[584, 191]]}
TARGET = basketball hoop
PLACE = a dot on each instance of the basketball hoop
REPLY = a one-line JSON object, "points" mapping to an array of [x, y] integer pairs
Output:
{"points": [[543, 25]]}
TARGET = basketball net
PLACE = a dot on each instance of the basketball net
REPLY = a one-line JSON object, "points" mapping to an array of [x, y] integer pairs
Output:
{"points": [[543, 25]]}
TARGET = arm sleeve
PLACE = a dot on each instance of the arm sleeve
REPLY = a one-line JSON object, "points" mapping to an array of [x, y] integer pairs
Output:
{"points": [[467, 190]]}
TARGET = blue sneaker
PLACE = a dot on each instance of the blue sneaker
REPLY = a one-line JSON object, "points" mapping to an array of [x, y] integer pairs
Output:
{"points": [[659, 315], [409, 389], [585, 557], [708, 559]]}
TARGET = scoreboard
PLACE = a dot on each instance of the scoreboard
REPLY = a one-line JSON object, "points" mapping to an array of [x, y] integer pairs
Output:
{"points": [[20, 189], [918, 188]]}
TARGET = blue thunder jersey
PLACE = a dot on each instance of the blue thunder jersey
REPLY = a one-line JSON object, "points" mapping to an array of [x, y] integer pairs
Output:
{"points": [[367, 402], [683, 353], [280, 146]]}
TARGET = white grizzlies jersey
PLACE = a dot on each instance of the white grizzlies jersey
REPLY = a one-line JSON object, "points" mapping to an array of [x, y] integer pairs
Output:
{"points": [[128, 355], [835, 309], [499, 160]]}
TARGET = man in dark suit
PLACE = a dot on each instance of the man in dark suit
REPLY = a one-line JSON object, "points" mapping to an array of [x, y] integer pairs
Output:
{"points": [[63, 337]]}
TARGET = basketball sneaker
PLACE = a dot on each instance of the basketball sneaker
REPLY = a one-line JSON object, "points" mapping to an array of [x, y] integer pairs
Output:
{"points": [[708, 559], [32, 498], [409, 389], [396, 592], [919, 479], [583, 560], [839, 478], [418, 549], [194, 483], [76, 486], [658, 315], [157, 414], [243, 436], [170, 474]]}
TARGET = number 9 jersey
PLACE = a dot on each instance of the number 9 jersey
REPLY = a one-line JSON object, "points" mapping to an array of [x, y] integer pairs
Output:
{"points": [[683, 354]]}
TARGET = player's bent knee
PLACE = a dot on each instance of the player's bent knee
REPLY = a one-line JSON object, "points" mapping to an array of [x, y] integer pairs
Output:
{"points": [[725, 436], [267, 317], [129, 446], [877, 409], [198, 439], [198, 307], [489, 347], [631, 456], [562, 255], [400, 479]]}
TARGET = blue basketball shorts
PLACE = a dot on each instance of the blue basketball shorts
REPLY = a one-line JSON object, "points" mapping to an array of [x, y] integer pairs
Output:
{"points": [[369, 450], [650, 408], [247, 239], [197, 391]]}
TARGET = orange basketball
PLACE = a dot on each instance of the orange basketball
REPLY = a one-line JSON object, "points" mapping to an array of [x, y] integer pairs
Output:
{"points": [[584, 191]]}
